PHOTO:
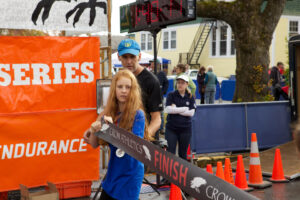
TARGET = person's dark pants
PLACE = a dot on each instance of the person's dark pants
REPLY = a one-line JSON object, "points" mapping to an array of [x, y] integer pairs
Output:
{"points": [[277, 91], [105, 196], [182, 136], [202, 97]]}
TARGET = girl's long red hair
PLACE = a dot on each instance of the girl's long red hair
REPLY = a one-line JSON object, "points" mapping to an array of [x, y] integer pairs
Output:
{"points": [[133, 103]]}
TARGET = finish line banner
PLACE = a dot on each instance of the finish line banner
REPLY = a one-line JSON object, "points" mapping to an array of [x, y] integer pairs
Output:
{"points": [[69, 15], [47, 101], [190, 178]]}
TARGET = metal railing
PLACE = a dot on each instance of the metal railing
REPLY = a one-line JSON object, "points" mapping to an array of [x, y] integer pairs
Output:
{"points": [[198, 44]]}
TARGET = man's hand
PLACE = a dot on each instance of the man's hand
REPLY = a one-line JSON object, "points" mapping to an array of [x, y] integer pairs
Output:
{"points": [[154, 124]]}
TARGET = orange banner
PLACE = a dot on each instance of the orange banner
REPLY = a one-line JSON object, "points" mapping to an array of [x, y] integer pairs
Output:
{"points": [[47, 101], [48, 73]]}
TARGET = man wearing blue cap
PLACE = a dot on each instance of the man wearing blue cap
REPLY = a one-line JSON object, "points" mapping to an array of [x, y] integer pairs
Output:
{"points": [[129, 55]]}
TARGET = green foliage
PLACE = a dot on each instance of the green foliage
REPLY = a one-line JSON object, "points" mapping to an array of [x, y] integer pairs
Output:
{"points": [[257, 79], [287, 76], [259, 86]]}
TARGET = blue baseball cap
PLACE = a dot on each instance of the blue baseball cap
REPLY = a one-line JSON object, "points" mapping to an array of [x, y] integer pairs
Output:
{"points": [[129, 46]]}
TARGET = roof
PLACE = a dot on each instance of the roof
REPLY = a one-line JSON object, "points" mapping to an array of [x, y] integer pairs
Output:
{"points": [[292, 7]]}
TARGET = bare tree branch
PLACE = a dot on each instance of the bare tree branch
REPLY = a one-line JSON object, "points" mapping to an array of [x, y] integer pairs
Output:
{"points": [[218, 10], [272, 13]]}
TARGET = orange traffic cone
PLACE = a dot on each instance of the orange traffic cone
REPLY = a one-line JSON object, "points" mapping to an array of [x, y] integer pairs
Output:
{"points": [[228, 171], [240, 176], [188, 153], [175, 193], [220, 172], [277, 174], [209, 168], [255, 175]]}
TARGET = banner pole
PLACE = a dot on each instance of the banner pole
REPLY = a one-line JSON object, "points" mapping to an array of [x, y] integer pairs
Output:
{"points": [[109, 38]]}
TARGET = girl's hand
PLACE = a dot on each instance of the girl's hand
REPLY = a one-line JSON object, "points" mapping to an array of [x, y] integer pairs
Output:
{"points": [[96, 126], [108, 119], [86, 136]]}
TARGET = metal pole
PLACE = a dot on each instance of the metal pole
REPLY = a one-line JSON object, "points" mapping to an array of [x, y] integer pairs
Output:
{"points": [[246, 121], [109, 38], [154, 35]]}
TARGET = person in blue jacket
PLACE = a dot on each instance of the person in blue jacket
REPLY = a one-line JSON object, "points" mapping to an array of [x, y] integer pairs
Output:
{"points": [[180, 107], [125, 174], [210, 82]]}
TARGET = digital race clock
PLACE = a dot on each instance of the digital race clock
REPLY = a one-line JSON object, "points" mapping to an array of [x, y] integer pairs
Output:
{"points": [[153, 14]]}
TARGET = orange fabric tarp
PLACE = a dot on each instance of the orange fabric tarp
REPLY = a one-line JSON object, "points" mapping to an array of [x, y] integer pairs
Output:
{"points": [[47, 101]]}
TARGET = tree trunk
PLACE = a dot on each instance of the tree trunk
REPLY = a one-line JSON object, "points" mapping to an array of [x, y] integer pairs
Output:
{"points": [[251, 72], [253, 24]]}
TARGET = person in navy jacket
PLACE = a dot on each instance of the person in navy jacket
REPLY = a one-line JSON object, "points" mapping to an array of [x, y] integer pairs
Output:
{"points": [[180, 107]]}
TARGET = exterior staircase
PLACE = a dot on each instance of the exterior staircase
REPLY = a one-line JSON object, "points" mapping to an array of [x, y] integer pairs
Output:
{"points": [[193, 56]]}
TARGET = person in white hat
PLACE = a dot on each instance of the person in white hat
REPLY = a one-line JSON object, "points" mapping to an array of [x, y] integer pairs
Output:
{"points": [[180, 107]]}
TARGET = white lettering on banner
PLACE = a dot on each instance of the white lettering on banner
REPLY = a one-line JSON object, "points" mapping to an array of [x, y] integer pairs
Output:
{"points": [[85, 70], [41, 73], [5, 76], [57, 73], [42, 148], [70, 72], [19, 70], [214, 194]]}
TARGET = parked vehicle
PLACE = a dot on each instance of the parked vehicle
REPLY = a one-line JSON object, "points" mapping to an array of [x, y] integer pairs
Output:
{"points": [[193, 74]]}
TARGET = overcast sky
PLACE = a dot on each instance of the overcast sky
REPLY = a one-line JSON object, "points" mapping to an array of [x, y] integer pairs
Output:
{"points": [[115, 15]]}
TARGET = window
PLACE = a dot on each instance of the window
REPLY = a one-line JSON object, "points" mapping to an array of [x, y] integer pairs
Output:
{"points": [[232, 46], [149, 41], [173, 39], [166, 40], [143, 41], [222, 41], [293, 28], [214, 40], [146, 41], [169, 40]]}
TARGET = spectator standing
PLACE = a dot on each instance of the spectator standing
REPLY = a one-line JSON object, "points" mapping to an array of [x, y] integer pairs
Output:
{"points": [[181, 69], [201, 85], [129, 53], [162, 78], [210, 82], [275, 79], [164, 84], [180, 107], [125, 109]]}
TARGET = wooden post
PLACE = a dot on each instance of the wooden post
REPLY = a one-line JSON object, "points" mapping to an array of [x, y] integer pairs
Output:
{"points": [[109, 38]]}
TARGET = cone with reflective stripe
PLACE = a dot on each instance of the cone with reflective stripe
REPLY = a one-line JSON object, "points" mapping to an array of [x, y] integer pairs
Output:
{"points": [[228, 171], [188, 154], [240, 175], [220, 172], [255, 175], [175, 193], [209, 168], [277, 174]]}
